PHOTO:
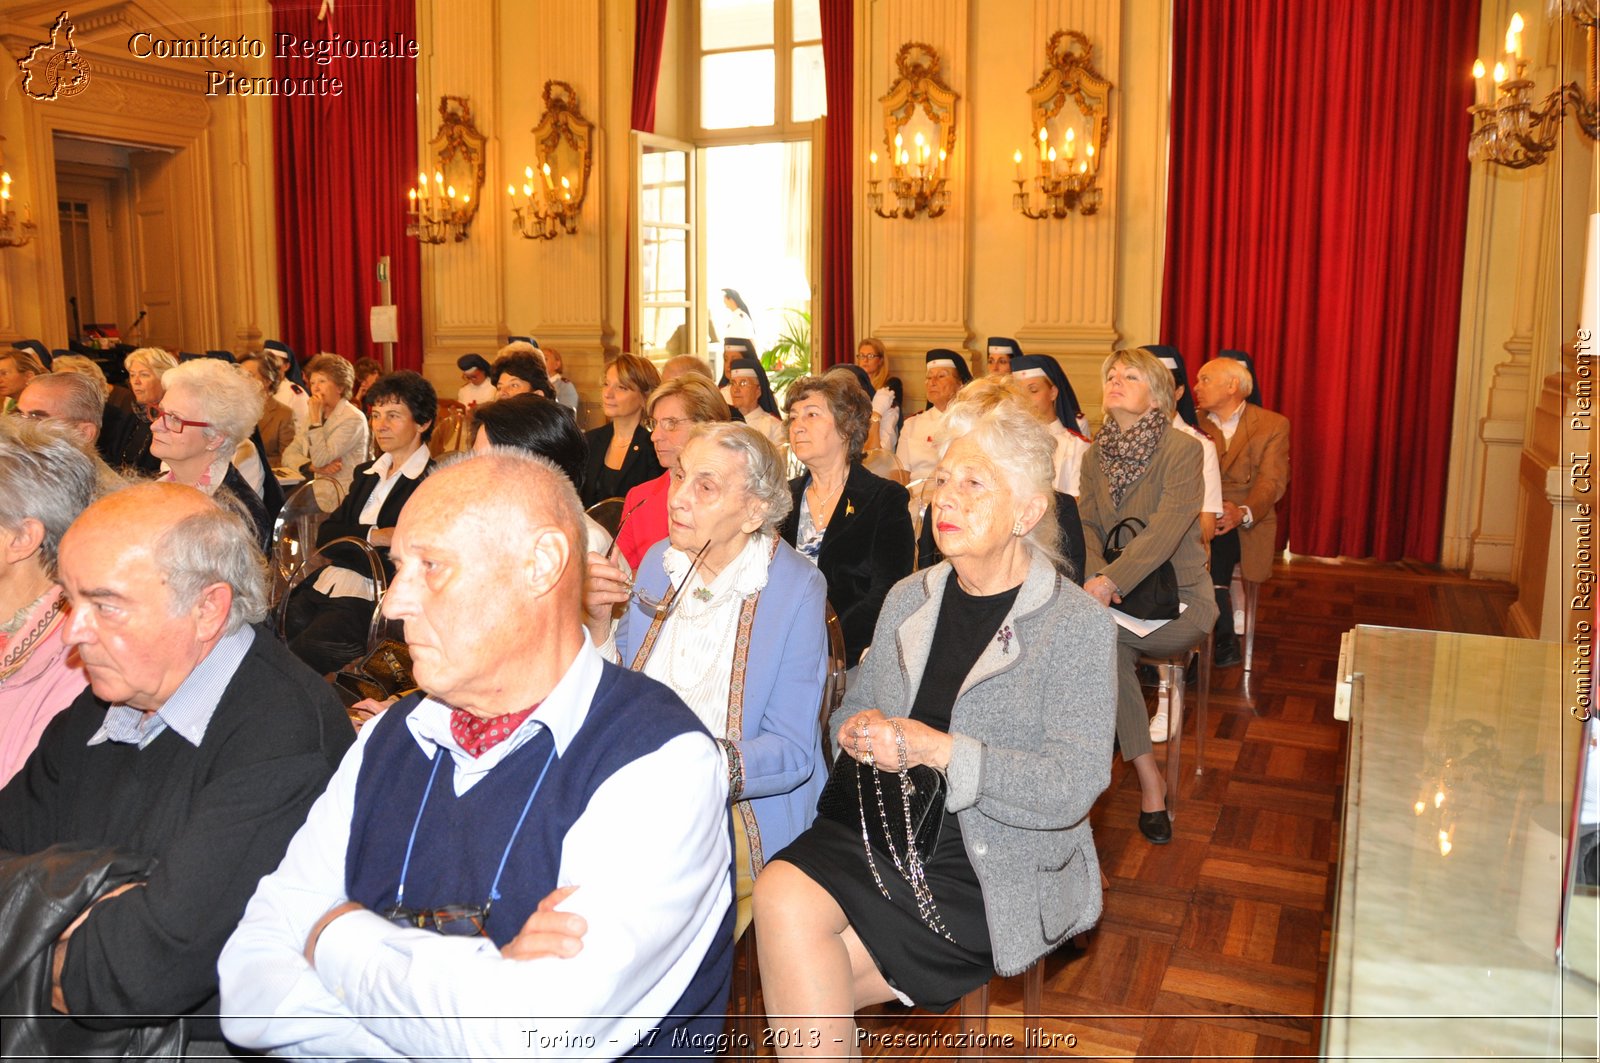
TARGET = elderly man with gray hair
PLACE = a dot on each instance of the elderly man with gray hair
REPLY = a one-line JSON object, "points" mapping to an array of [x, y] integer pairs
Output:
{"points": [[73, 399], [199, 747], [433, 904]]}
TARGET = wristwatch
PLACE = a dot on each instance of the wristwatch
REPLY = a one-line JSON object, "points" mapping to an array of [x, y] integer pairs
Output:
{"points": [[1249, 518]]}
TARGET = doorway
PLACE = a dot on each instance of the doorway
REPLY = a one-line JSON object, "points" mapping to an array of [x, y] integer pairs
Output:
{"points": [[756, 221]]}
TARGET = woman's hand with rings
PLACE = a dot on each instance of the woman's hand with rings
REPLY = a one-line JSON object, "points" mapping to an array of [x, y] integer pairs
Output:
{"points": [[865, 731], [1103, 591]]}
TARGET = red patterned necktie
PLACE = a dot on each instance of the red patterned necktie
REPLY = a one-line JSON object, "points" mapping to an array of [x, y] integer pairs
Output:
{"points": [[476, 735]]}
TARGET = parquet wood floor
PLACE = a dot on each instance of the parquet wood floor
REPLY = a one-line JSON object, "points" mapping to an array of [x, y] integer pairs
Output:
{"points": [[1216, 945]]}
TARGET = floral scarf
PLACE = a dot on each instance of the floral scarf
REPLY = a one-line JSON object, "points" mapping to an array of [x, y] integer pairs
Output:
{"points": [[1126, 453]]}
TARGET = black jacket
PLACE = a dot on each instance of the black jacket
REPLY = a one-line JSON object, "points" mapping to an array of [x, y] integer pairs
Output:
{"points": [[235, 483], [638, 467], [40, 895], [867, 548], [124, 442], [346, 520]]}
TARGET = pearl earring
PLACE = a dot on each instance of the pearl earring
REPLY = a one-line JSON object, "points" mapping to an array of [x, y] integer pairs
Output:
{"points": [[1016, 529]]}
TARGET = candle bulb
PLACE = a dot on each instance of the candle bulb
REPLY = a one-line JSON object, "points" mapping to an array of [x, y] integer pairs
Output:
{"points": [[1016, 157], [1480, 85], [1514, 36], [545, 169], [1072, 145], [1499, 73]]}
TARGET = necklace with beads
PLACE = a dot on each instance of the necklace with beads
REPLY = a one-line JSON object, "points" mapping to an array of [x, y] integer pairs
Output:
{"points": [[23, 647], [822, 504]]}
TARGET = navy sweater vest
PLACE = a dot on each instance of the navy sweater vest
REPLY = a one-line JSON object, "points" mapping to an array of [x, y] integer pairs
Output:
{"points": [[461, 839]]}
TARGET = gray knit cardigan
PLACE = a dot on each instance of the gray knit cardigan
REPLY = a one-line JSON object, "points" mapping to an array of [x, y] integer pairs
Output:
{"points": [[1032, 729]]}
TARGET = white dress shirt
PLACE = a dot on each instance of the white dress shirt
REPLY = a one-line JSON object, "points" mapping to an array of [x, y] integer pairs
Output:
{"points": [[768, 425], [472, 395], [1230, 423], [917, 449], [888, 418], [1070, 449], [1210, 468], [650, 858], [336, 581]]}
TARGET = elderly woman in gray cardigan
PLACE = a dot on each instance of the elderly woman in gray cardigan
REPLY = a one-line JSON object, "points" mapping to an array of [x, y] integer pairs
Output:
{"points": [[995, 669]]}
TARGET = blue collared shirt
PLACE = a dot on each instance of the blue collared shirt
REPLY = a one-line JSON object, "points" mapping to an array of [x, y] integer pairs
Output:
{"points": [[190, 708]]}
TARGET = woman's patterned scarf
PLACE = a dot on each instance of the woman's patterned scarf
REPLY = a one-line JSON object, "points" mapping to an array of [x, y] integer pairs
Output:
{"points": [[1125, 453]]}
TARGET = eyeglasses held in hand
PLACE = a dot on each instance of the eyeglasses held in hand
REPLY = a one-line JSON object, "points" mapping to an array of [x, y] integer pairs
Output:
{"points": [[451, 920], [171, 422]]}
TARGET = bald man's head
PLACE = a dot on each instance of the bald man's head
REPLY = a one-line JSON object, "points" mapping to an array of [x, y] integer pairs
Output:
{"points": [[489, 555]]}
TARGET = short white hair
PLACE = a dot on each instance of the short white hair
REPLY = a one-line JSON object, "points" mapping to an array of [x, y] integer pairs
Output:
{"points": [[44, 475], [231, 401], [1237, 370], [215, 545]]}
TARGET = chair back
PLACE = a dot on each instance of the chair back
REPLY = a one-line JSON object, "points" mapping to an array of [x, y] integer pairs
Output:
{"points": [[446, 436], [881, 461], [376, 573], [833, 689], [608, 514], [294, 531]]}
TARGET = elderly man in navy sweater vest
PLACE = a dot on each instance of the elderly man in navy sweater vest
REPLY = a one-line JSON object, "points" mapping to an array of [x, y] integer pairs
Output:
{"points": [[415, 914], [199, 747]]}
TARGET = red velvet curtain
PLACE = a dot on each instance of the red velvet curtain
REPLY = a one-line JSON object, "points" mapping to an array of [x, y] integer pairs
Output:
{"points": [[1316, 219], [343, 164], [836, 316], [649, 30]]}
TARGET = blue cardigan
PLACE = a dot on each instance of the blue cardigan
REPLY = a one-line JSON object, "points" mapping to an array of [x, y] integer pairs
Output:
{"points": [[784, 677]]}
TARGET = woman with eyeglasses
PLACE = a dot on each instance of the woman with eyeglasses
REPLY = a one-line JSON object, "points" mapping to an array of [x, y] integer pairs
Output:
{"points": [[732, 619], [620, 455], [207, 409], [332, 440], [888, 394], [675, 408]]}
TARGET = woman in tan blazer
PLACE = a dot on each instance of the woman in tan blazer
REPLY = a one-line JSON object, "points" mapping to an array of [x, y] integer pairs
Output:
{"points": [[1140, 466]]}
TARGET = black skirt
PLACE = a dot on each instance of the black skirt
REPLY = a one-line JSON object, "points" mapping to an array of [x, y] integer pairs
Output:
{"points": [[934, 972]]}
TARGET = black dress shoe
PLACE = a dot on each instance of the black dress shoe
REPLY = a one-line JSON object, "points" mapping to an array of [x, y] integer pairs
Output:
{"points": [[1227, 655], [1156, 827]]}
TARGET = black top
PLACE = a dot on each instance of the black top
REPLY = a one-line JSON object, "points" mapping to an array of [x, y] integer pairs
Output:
{"points": [[346, 520], [216, 818], [235, 484], [866, 549], [966, 624], [124, 442], [639, 465], [1069, 545]]}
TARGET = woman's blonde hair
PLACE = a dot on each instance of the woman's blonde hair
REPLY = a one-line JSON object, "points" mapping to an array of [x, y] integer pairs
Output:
{"points": [[700, 398], [154, 359], [1163, 393]]}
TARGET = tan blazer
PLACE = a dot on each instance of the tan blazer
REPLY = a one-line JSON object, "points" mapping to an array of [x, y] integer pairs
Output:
{"points": [[277, 430], [1167, 498], [1255, 473]]}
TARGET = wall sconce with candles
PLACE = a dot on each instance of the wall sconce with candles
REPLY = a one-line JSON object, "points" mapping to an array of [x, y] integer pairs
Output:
{"points": [[919, 119], [14, 231], [1507, 128], [443, 209], [1066, 178], [563, 147]]}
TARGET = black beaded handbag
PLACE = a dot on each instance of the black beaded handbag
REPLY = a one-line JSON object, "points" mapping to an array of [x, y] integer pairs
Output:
{"points": [[842, 797]]}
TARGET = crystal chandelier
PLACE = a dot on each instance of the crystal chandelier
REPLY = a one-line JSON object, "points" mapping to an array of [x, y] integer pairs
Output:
{"points": [[1509, 127]]}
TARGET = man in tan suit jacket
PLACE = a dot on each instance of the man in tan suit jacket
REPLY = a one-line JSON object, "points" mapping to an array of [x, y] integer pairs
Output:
{"points": [[1253, 450]]}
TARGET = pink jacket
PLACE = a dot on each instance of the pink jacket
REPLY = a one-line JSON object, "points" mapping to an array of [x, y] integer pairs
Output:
{"points": [[48, 682]]}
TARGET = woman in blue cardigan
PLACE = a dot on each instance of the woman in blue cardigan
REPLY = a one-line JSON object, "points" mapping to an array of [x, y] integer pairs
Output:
{"points": [[732, 619]]}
